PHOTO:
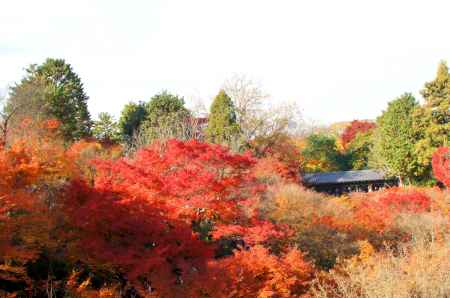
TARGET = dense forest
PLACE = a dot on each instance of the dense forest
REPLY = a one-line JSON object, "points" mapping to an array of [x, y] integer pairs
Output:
{"points": [[169, 202]]}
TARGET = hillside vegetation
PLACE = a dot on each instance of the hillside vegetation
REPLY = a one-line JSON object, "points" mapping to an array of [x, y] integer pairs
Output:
{"points": [[160, 204]]}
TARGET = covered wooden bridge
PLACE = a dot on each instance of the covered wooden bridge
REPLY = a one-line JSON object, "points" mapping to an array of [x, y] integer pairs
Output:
{"points": [[338, 183]]}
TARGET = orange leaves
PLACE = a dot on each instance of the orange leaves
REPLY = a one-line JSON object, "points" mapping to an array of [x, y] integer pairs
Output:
{"points": [[278, 158], [51, 124], [20, 212], [36, 158], [84, 152], [272, 168], [378, 211], [32, 170], [258, 273], [18, 168]]}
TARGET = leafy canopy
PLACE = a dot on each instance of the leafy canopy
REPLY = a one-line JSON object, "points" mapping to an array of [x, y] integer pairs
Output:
{"points": [[395, 138], [321, 154], [164, 105]]}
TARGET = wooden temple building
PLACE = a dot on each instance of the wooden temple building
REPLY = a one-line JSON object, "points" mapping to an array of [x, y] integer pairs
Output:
{"points": [[338, 183]]}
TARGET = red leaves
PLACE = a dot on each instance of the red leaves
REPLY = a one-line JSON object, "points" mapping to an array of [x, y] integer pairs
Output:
{"points": [[29, 169], [378, 212], [190, 175], [132, 234], [401, 201], [256, 232], [355, 127], [441, 165], [138, 217]]}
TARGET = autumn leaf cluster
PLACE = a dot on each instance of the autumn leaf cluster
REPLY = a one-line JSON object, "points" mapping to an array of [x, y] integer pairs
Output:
{"points": [[177, 219]]}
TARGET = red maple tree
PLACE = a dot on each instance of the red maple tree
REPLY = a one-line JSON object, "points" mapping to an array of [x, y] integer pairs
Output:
{"points": [[140, 216], [441, 165]]}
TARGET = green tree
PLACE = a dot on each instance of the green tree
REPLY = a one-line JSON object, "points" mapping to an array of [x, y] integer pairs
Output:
{"points": [[53, 90], [358, 150], [432, 120], [395, 139], [321, 155], [131, 118], [105, 128], [222, 122], [163, 106], [167, 118]]}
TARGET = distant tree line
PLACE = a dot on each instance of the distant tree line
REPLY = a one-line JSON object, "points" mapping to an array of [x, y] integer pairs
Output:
{"points": [[401, 141]]}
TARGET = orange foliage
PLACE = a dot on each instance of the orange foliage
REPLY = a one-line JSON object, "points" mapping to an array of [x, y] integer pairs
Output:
{"points": [[29, 168], [272, 168], [379, 213], [278, 158], [83, 152], [257, 273]]}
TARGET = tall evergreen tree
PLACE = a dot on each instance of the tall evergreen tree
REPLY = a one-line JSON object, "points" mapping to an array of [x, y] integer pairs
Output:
{"points": [[53, 90], [131, 118], [222, 123], [432, 120], [394, 140]]}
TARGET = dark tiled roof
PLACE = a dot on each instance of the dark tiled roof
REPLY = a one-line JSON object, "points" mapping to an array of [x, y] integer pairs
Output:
{"points": [[343, 177]]}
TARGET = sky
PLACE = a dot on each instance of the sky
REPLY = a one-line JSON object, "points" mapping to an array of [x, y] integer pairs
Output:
{"points": [[336, 60]]}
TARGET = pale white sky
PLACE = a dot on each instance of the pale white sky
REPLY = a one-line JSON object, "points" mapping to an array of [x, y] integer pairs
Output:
{"points": [[338, 60]]}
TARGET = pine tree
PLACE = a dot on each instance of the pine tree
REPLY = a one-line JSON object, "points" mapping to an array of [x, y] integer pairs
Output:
{"points": [[432, 120], [222, 122], [53, 90], [105, 128]]}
